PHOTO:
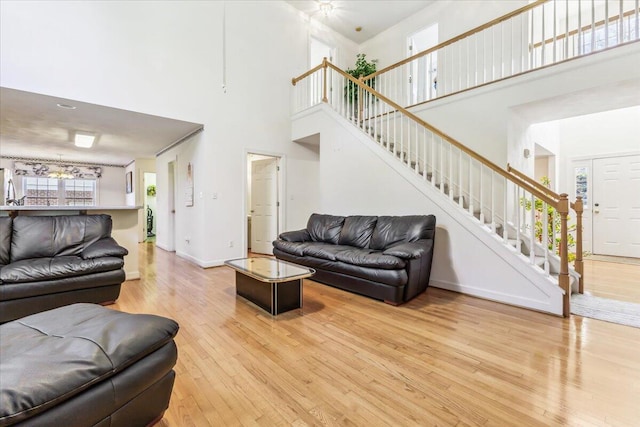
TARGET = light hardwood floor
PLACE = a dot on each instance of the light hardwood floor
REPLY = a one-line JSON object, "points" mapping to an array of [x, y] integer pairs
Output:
{"points": [[441, 359], [612, 280]]}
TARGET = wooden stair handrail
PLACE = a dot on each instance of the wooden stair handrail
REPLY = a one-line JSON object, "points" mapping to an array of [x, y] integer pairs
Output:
{"points": [[533, 182], [307, 74], [459, 37], [530, 188]]}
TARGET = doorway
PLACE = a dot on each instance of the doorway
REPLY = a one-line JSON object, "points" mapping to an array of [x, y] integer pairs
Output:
{"points": [[263, 202], [150, 207], [616, 206], [423, 73], [319, 50]]}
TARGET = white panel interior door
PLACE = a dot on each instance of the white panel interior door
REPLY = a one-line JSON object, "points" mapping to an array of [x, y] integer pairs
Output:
{"points": [[264, 205], [616, 206]]}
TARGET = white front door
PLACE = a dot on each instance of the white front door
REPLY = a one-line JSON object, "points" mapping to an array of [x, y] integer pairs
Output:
{"points": [[616, 206], [264, 205]]}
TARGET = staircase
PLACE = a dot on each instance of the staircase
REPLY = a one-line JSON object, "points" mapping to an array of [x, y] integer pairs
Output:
{"points": [[492, 199], [516, 236], [504, 204]]}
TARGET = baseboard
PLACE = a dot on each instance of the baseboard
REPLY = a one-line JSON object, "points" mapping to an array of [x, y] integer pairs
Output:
{"points": [[164, 247], [131, 275], [199, 262], [510, 299]]}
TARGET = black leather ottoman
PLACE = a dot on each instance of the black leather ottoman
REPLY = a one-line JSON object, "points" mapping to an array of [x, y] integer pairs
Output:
{"points": [[86, 365]]}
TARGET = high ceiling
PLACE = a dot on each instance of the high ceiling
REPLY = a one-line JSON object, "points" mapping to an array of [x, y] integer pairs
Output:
{"points": [[122, 136], [374, 16], [34, 126]]}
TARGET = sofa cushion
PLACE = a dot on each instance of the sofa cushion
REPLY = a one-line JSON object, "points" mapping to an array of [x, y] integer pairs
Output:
{"points": [[398, 277], [325, 228], [357, 231], [324, 250], [294, 248], [49, 268], [366, 258], [390, 230], [49, 236], [49, 357], [5, 239], [104, 248]]}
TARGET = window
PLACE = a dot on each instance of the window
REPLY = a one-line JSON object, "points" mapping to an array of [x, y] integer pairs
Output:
{"points": [[59, 192], [607, 36], [581, 176]]}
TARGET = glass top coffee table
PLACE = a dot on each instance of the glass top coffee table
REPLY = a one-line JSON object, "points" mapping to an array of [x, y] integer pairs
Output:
{"points": [[272, 284]]}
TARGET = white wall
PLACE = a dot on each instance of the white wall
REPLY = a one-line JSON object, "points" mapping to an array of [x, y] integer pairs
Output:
{"points": [[166, 59], [453, 18], [608, 132]]}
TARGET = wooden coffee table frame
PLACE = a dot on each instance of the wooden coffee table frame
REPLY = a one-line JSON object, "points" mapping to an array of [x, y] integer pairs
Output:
{"points": [[273, 294]]}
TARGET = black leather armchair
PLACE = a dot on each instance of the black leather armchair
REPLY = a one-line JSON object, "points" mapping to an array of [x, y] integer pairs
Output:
{"points": [[51, 261], [387, 257], [85, 365]]}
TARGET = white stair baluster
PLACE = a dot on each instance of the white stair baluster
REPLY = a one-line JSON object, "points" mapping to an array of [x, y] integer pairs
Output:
{"points": [[532, 232]]}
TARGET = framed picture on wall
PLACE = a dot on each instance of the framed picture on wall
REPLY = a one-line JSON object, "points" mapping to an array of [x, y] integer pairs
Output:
{"points": [[188, 193], [129, 186]]}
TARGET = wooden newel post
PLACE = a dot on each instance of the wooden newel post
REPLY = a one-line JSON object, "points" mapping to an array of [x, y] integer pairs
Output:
{"points": [[579, 264], [563, 279], [324, 75]]}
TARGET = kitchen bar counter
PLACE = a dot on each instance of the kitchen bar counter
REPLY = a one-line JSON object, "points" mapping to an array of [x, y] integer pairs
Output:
{"points": [[125, 225]]}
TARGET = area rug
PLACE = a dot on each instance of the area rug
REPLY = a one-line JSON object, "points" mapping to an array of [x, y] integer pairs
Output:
{"points": [[609, 310]]}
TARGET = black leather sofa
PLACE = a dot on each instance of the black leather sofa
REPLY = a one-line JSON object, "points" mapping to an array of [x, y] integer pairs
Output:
{"points": [[387, 257], [51, 261], [85, 365]]}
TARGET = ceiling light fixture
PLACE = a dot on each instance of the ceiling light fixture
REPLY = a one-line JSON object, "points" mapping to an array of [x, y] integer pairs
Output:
{"points": [[325, 7], [84, 139], [60, 173]]}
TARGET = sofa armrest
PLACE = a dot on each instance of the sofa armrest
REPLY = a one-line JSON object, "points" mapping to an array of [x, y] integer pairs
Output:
{"points": [[296, 236], [104, 247], [410, 250]]}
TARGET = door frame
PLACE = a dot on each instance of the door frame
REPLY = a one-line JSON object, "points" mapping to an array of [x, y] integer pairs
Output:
{"points": [[588, 231], [281, 215], [171, 205]]}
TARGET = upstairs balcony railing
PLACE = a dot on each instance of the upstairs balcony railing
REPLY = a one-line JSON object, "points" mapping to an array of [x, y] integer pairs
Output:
{"points": [[503, 202], [543, 33]]}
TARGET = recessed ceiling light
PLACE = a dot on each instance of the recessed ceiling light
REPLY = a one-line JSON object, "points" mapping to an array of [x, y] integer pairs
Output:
{"points": [[66, 106], [84, 139]]}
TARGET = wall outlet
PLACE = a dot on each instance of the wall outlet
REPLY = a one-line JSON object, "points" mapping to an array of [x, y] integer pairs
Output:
{"points": [[230, 243]]}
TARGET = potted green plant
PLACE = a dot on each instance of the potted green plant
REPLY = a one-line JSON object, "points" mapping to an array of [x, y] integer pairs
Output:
{"points": [[554, 224], [151, 190], [363, 68]]}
